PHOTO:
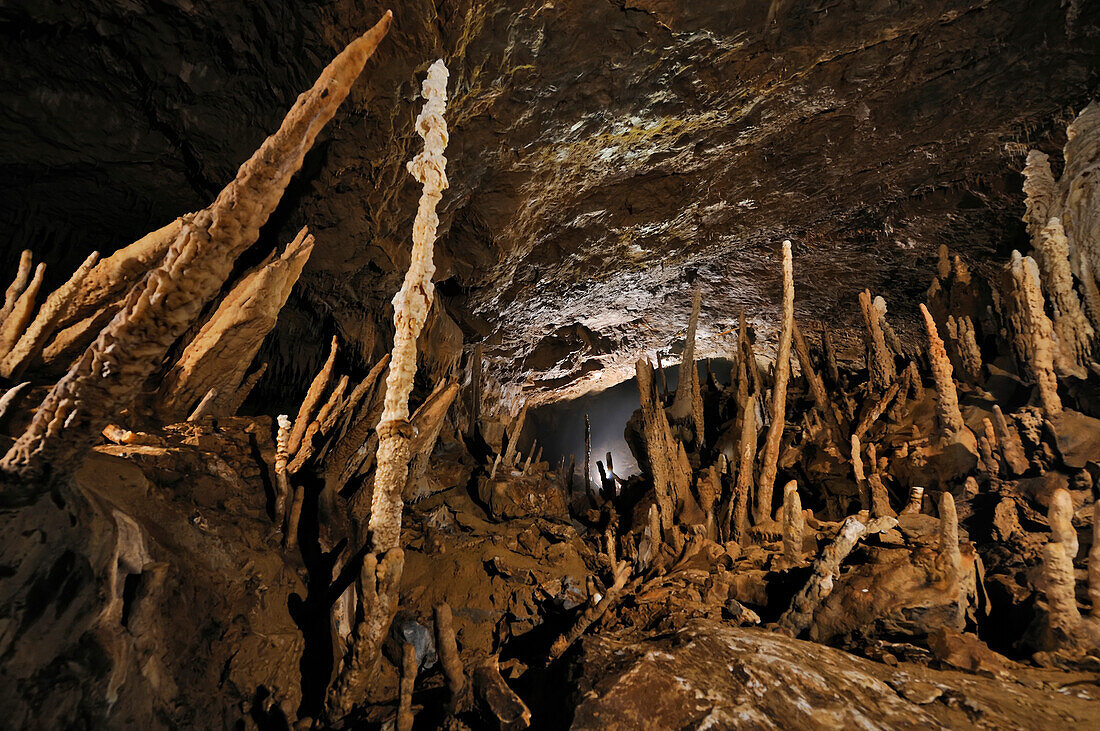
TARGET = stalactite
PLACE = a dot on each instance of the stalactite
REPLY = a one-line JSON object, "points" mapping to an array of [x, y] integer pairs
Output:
{"points": [[1033, 332], [410, 309], [15, 324], [880, 363], [770, 458], [18, 284], [168, 299], [1075, 333], [33, 339]]}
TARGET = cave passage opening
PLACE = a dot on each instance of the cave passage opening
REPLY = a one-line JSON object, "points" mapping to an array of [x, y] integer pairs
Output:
{"points": [[559, 427]]}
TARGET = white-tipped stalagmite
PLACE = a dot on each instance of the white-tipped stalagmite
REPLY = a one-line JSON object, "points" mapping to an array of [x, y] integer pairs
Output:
{"points": [[18, 284], [33, 340], [20, 316], [947, 398], [410, 310], [1072, 327], [1041, 194], [282, 479], [382, 566], [1033, 332], [160, 308], [769, 460]]}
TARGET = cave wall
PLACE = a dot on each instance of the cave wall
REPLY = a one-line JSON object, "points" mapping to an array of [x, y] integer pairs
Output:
{"points": [[605, 158]]}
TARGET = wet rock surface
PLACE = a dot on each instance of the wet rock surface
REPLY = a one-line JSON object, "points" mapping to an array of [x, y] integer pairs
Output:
{"points": [[711, 675], [605, 157]]}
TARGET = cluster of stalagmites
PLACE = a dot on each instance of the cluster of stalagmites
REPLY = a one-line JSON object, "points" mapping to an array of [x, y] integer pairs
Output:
{"points": [[992, 420]]}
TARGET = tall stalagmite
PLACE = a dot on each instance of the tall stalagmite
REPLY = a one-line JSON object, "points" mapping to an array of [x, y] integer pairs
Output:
{"points": [[382, 566], [163, 305], [770, 459]]}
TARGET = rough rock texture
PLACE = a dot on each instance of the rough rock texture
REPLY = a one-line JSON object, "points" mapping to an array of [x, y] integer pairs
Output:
{"points": [[607, 155], [712, 675]]}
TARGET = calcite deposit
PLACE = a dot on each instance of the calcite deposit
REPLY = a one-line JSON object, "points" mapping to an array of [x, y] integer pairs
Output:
{"points": [[511, 435]]}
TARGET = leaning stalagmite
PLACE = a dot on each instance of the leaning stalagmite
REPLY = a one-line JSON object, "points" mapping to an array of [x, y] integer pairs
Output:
{"points": [[32, 341], [112, 371], [20, 316], [383, 565], [220, 354], [770, 458], [880, 362], [18, 284]]}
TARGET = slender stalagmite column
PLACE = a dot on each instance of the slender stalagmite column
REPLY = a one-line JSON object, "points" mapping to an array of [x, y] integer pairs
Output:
{"points": [[282, 479], [20, 316], [684, 404], [770, 459], [880, 362], [947, 398], [33, 340], [160, 308], [22, 276], [313, 398], [380, 575], [410, 310]]}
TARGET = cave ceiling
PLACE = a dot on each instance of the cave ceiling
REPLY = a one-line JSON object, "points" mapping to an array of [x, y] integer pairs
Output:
{"points": [[606, 157]]}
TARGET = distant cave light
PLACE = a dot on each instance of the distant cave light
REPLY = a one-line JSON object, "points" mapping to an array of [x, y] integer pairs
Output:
{"points": [[559, 426]]}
